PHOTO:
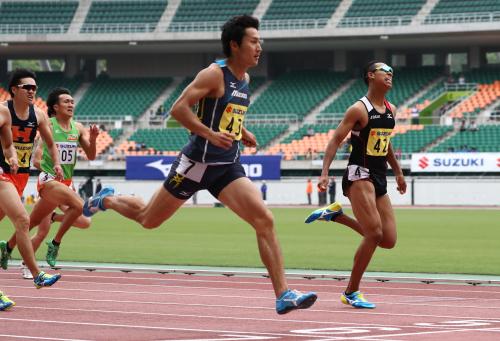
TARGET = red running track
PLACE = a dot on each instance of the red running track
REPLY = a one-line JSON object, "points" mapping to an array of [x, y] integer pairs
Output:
{"points": [[144, 306]]}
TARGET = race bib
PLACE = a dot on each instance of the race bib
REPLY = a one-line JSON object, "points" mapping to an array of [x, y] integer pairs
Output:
{"points": [[24, 151], [232, 120], [356, 172], [43, 178], [191, 169], [67, 152], [378, 141]]}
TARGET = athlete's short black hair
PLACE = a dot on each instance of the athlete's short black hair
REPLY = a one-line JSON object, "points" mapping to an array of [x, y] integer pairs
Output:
{"points": [[368, 68], [17, 75], [53, 99], [234, 29]]}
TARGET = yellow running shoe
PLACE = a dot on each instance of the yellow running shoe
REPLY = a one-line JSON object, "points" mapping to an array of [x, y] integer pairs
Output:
{"points": [[328, 213], [5, 302], [356, 300]]}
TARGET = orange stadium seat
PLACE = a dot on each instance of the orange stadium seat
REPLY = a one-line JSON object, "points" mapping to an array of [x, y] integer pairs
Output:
{"points": [[486, 94]]}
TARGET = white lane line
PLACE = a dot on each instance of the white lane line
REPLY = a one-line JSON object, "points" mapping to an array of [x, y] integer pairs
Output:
{"points": [[228, 337], [260, 319], [423, 298], [382, 301], [265, 282], [3, 336], [385, 336], [114, 325]]}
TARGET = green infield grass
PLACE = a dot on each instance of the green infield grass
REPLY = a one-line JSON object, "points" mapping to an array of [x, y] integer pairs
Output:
{"points": [[463, 241]]}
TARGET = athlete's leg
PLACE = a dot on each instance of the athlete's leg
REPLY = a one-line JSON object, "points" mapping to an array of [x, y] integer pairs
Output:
{"points": [[56, 193], [348, 221], [82, 222], [11, 205], [243, 198], [41, 233], [151, 215], [386, 212], [362, 197], [41, 209]]}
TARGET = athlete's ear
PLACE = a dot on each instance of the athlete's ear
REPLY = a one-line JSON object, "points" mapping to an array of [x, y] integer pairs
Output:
{"points": [[234, 45]]}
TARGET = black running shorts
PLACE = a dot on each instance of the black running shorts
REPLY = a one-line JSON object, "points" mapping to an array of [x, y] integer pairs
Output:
{"points": [[355, 173], [187, 177]]}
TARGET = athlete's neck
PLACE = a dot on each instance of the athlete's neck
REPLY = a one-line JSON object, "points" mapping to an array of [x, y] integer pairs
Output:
{"points": [[64, 122], [237, 69], [376, 97], [21, 109]]}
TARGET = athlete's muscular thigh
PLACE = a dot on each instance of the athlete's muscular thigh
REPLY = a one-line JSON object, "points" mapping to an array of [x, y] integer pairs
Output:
{"points": [[362, 197], [388, 219]]}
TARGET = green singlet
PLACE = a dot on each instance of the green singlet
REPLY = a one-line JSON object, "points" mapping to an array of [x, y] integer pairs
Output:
{"points": [[67, 144]]}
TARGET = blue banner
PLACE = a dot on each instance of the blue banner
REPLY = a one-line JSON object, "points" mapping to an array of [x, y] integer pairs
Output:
{"points": [[257, 167]]}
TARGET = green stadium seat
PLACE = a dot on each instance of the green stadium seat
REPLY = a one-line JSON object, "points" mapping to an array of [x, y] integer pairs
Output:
{"points": [[191, 12], [116, 98], [123, 16], [37, 17]]}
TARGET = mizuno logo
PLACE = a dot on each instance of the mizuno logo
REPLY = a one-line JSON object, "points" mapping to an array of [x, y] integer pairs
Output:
{"points": [[236, 93]]}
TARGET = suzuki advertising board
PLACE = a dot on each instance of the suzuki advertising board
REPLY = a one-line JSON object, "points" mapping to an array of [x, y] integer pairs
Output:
{"points": [[455, 162], [257, 167]]}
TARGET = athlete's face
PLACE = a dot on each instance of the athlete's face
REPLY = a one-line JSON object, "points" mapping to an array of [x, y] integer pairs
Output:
{"points": [[65, 106], [381, 75], [25, 91], [250, 48]]}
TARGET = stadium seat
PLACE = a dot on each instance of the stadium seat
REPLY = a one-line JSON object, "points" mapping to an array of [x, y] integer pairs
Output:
{"points": [[122, 16], [191, 12], [116, 98], [38, 17]]}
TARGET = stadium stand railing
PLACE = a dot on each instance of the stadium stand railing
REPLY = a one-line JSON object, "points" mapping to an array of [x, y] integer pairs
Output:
{"points": [[462, 18]]}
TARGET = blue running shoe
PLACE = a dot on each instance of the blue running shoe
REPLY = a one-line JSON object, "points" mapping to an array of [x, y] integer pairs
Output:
{"points": [[293, 299], [5, 302], [356, 300], [45, 280], [328, 213], [95, 203]]}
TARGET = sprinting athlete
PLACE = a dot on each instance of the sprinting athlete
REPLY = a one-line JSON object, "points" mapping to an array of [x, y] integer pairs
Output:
{"points": [[25, 120], [68, 135], [370, 121], [210, 160]]}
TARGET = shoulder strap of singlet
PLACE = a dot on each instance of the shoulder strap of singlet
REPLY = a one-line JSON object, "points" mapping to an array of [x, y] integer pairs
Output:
{"points": [[387, 105], [366, 102], [10, 105]]}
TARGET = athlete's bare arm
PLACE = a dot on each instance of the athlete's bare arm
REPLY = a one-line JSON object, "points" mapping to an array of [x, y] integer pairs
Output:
{"points": [[247, 137], [38, 154], [88, 139], [393, 162], [45, 133], [208, 83], [353, 118], [6, 139]]}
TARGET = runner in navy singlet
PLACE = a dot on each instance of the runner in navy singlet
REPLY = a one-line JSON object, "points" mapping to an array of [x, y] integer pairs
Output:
{"points": [[370, 121], [210, 160]]}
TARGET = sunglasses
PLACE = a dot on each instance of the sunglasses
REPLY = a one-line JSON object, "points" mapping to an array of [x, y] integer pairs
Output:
{"points": [[28, 87], [385, 68]]}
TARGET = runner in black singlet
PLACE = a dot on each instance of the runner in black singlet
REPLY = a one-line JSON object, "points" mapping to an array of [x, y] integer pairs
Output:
{"points": [[370, 121], [25, 120]]}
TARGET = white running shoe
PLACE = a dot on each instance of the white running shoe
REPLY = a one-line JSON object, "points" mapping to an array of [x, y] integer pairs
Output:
{"points": [[26, 272]]}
